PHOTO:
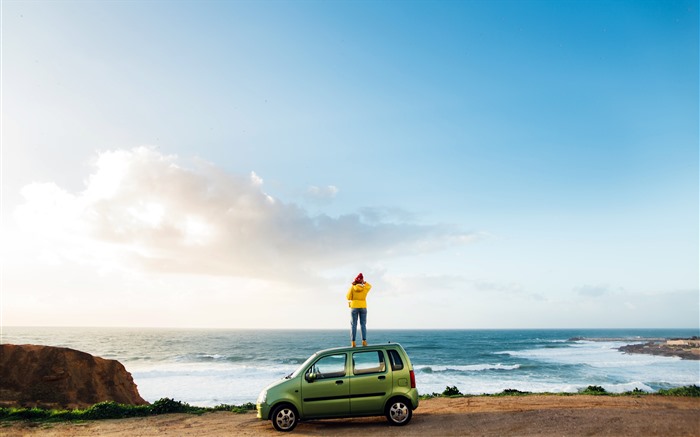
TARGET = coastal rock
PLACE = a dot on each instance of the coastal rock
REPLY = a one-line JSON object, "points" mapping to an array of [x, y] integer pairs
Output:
{"points": [[686, 349], [57, 377]]}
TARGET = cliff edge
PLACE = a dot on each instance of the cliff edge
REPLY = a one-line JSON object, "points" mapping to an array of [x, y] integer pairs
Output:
{"points": [[61, 378]]}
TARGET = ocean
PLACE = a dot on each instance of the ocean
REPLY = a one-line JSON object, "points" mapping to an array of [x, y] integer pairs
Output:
{"points": [[207, 367]]}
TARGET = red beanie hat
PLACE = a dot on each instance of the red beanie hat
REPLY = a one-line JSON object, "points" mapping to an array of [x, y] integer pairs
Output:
{"points": [[360, 278]]}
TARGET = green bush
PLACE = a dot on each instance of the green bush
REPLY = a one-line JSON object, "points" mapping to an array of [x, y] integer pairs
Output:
{"points": [[512, 392], [24, 413], [167, 405], [452, 391], [692, 391], [594, 390], [113, 410], [636, 391]]}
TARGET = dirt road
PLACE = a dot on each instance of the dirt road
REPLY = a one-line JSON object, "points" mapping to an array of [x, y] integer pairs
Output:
{"points": [[534, 415]]}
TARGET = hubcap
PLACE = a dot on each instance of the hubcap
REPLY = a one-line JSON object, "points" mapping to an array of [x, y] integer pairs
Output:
{"points": [[285, 418], [398, 412]]}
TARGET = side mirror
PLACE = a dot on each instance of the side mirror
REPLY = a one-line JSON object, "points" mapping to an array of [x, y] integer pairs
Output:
{"points": [[310, 377]]}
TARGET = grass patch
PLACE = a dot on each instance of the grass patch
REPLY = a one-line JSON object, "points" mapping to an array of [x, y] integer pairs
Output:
{"points": [[513, 392], [687, 391], [113, 410], [692, 391]]}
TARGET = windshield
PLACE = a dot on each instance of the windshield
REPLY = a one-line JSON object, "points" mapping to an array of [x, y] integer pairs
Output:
{"points": [[301, 368]]}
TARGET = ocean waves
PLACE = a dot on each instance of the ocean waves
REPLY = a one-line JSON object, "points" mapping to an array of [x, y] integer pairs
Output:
{"points": [[212, 367], [466, 368]]}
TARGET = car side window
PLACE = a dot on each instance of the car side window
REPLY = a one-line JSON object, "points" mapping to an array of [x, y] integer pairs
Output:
{"points": [[395, 358], [332, 366], [368, 362]]}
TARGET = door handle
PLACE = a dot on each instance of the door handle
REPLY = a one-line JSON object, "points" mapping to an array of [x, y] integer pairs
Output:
{"points": [[381, 377], [339, 382]]}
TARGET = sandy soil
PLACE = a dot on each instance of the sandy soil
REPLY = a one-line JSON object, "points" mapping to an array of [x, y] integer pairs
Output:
{"points": [[534, 415]]}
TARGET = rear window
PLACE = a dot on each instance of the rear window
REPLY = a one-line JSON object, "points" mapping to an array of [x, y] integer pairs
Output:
{"points": [[395, 360], [368, 362]]}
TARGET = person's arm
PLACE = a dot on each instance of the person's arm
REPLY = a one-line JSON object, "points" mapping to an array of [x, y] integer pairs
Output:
{"points": [[349, 295], [368, 286]]}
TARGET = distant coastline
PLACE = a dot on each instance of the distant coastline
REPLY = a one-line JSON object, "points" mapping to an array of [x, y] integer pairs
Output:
{"points": [[684, 348]]}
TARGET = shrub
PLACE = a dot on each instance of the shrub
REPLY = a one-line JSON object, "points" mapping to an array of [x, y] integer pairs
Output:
{"points": [[167, 405], [690, 391], [244, 408], [452, 391], [636, 391], [102, 410], [24, 413], [512, 392], [594, 390]]}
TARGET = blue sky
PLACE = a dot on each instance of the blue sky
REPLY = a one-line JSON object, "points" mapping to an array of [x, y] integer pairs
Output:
{"points": [[503, 164]]}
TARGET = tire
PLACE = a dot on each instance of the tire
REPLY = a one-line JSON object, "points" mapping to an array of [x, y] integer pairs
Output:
{"points": [[398, 412], [284, 418]]}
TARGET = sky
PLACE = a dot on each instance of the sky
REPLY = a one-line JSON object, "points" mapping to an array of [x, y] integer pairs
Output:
{"points": [[235, 164]]}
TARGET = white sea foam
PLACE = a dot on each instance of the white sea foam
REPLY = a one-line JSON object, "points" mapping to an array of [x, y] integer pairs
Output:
{"points": [[207, 385], [466, 368], [466, 385], [209, 368], [604, 360]]}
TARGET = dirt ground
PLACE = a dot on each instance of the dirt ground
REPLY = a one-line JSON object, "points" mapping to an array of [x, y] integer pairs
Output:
{"points": [[534, 415]]}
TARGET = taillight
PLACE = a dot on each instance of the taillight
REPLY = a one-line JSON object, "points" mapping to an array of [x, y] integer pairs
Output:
{"points": [[413, 379]]}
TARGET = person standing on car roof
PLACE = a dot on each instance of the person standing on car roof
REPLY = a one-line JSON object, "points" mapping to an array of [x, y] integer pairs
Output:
{"points": [[357, 300]]}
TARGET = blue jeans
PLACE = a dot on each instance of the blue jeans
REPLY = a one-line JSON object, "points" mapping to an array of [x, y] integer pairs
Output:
{"points": [[362, 313]]}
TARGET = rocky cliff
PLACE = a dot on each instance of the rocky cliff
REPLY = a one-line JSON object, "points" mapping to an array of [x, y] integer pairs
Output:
{"points": [[57, 377]]}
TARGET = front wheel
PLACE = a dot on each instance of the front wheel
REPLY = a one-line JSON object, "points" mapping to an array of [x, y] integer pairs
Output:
{"points": [[398, 412], [285, 418]]}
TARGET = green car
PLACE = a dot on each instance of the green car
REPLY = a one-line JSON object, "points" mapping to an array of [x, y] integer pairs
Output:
{"points": [[344, 382]]}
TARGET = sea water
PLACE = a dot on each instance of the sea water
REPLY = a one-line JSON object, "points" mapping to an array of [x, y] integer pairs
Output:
{"points": [[211, 367]]}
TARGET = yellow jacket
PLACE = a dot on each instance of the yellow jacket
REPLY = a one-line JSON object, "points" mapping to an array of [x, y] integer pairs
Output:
{"points": [[357, 295]]}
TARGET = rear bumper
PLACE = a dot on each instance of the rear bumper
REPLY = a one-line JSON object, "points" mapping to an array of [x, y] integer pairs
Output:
{"points": [[413, 395]]}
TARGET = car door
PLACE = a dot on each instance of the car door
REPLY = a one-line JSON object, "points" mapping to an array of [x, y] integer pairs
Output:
{"points": [[325, 389], [370, 383]]}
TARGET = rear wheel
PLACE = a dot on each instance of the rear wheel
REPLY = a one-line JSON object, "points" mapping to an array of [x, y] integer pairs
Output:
{"points": [[398, 412], [285, 418]]}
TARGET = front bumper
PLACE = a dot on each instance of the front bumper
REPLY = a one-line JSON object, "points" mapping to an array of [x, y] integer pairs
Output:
{"points": [[263, 410]]}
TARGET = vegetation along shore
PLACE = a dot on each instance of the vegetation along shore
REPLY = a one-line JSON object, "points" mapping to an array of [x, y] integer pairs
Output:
{"points": [[510, 413]]}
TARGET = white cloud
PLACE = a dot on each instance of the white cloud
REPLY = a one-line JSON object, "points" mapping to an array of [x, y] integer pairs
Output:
{"points": [[255, 179], [321, 195], [141, 208]]}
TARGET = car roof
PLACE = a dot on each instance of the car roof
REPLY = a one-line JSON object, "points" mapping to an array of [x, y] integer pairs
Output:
{"points": [[361, 348]]}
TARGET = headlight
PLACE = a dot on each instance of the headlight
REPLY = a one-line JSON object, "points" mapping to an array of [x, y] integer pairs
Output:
{"points": [[262, 397]]}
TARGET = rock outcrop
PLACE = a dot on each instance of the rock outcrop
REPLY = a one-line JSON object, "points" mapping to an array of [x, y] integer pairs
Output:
{"points": [[686, 351], [57, 377]]}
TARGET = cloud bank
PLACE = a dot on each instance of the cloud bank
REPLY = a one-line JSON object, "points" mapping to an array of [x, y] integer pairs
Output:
{"points": [[143, 208]]}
